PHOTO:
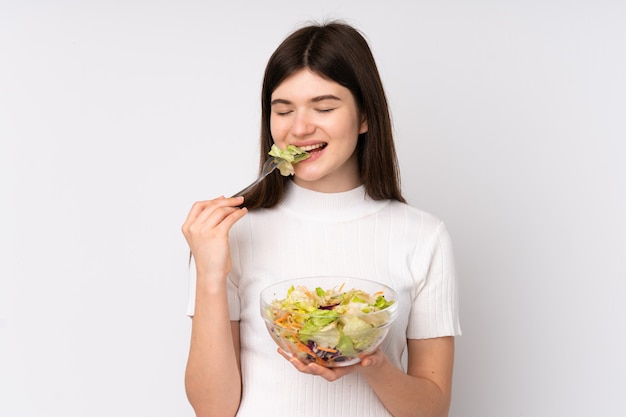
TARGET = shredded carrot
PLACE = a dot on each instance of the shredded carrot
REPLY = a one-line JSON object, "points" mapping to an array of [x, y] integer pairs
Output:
{"points": [[285, 321], [327, 349], [305, 349], [281, 319]]}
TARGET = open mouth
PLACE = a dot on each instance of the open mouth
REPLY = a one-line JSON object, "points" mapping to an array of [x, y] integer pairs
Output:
{"points": [[313, 148]]}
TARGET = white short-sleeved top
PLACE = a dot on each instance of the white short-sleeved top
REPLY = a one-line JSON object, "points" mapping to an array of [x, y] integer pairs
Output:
{"points": [[343, 234]]}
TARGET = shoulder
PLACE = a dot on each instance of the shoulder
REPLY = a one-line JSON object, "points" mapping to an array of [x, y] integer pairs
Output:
{"points": [[425, 230], [423, 219]]}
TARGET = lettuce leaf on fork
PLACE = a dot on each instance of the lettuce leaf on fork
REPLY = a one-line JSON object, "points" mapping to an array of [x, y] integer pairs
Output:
{"points": [[287, 157]]}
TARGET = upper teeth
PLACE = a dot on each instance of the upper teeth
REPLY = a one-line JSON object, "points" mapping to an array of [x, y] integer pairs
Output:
{"points": [[311, 147]]}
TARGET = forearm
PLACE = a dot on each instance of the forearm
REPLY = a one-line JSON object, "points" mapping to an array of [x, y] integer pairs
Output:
{"points": [[212, 378], [405, 395]]}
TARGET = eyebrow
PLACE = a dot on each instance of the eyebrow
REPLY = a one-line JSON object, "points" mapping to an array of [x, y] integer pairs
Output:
{"points": [[313, 100]]}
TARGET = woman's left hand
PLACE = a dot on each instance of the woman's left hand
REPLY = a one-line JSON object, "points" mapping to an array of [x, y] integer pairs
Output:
{"points": [[332, 374]]}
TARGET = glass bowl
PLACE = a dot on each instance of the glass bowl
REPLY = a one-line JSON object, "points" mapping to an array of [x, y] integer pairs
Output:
{"points": [[333, 321]]}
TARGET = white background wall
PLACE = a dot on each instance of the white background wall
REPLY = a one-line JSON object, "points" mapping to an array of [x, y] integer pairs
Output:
{"points": [[116, 115]]}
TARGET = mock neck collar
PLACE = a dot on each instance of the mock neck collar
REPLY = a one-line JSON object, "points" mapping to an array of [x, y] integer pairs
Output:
{"points": [[329, 207]]}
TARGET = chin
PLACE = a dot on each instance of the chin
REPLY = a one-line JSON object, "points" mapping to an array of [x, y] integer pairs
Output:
{"points": [[306, 181], [302, 173]]}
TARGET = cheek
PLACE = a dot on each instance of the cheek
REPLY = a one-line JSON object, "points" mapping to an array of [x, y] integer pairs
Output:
{"points": [[346, 124], [348, 130], [277, 128]]}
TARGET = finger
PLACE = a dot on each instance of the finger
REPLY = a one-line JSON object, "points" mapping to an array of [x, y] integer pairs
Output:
{"points": [[329, 374], [199, 206], [297, 363], [213, 216], [207, 208], [201, 210], [216, 225], [372, 360], [228, 221]]}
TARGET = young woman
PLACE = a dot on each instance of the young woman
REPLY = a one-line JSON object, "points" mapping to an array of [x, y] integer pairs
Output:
{"points": [[341, 214]]}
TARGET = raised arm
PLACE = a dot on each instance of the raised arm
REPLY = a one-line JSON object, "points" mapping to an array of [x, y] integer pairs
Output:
{"points": [[213, 377]]}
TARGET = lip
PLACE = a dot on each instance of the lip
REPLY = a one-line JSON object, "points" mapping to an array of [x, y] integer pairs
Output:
{"points": [[315, 155]]}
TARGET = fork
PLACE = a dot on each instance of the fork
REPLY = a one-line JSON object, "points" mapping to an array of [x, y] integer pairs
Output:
{"points": [[268, 167]]}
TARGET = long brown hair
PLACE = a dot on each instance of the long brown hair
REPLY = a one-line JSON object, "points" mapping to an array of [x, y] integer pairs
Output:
{"points": [[338, 52]]}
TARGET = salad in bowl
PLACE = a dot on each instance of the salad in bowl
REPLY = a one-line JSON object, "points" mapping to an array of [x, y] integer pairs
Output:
{"points": [[333, 321]]}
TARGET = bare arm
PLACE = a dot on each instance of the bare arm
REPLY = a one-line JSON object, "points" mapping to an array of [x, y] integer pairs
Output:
{"points": [[212, 378], [423, 391]]}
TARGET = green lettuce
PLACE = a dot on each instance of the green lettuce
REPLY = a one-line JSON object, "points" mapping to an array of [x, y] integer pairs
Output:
{"points": [[287, 157]]}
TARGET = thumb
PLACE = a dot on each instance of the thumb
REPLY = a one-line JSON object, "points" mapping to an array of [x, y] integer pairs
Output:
{"points": [[373, 360]]}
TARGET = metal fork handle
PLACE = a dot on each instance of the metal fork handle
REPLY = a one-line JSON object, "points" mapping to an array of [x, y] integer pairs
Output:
{"points": [[269, 166], [249, 187]]}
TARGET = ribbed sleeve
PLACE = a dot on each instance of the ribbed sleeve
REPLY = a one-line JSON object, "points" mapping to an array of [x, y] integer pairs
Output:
{"points": [[435, 305]]}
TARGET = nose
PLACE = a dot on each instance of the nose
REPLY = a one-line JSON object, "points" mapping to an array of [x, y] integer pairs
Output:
{"points": [[302, 125]]}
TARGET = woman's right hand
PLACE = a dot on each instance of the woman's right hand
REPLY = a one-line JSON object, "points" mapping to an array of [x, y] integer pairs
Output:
{"points": [[206, 231]]}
